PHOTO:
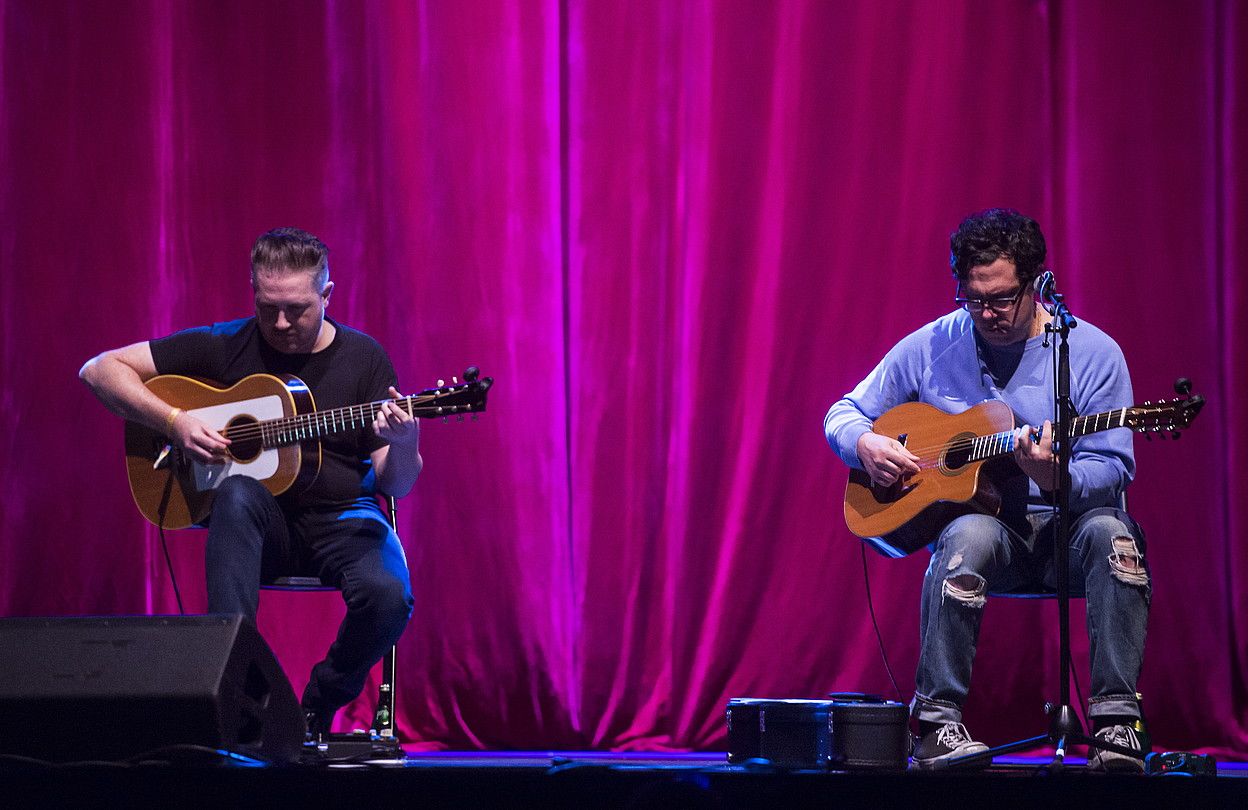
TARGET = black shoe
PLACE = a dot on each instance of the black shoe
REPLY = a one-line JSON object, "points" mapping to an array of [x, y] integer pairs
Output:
{"points": [[1114, 762], [950, 741]]}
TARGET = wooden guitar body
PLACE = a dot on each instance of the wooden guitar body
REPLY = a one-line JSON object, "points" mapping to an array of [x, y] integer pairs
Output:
{"points": [[177, 492], [905, 517]]}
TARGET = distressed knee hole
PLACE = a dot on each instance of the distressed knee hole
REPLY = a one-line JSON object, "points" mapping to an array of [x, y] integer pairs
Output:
{"points": [[970, 590], [1126, 563]]}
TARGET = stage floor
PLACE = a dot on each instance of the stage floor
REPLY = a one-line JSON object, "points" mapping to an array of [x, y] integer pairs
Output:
{"points": [[591, 779], [699, 761]]}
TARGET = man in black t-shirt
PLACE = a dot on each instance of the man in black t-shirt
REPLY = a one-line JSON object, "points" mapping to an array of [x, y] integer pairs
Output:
{"points": [[334, 529]]}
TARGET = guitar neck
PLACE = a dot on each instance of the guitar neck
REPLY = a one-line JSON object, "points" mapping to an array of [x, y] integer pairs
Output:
{"points": [[318, 424], [1000, 444]]}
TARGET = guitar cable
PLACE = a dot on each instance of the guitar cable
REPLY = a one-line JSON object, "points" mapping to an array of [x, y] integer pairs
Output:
{"points": [[866, 580], [169, 567], [1080, 706]]}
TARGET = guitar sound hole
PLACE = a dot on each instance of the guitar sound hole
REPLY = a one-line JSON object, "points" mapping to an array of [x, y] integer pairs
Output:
{"points": [[959, 453], [245, 442]]}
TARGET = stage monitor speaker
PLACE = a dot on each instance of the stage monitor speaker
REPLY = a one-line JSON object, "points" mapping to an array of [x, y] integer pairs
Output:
{"points": [[113, 687]]}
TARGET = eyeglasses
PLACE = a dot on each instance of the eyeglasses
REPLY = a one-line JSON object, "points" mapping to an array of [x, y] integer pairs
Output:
{"points": [[1000, 306]]}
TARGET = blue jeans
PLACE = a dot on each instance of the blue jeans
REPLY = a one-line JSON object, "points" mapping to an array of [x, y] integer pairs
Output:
{"points": [[252, 540], [976, 555]]}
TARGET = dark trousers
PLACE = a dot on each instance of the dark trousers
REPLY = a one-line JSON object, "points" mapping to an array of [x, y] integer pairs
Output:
{"points": [[252, 540]]}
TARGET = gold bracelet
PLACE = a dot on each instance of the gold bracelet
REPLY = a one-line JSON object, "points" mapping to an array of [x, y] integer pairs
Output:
{"points": [[169, 421]]}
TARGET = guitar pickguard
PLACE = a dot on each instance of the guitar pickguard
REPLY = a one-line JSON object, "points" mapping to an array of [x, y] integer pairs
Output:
{"points": [[207, 475]]}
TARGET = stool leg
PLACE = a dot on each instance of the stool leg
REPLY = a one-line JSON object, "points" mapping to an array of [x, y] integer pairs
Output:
{"points": [[383, 718]]}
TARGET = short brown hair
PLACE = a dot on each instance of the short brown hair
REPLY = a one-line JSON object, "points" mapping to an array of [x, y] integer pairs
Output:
{"points": [[290, 249]]}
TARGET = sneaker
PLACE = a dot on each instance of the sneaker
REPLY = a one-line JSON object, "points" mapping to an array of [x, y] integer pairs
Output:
{"points": [[1114, 762], [948, 742]]}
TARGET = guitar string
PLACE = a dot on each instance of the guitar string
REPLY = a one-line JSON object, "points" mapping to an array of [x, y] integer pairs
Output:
{"points": [[1077, 429], [1004, 438], [334, 417], [321, 423], [342, 416], [941, 450], [929, 462]]}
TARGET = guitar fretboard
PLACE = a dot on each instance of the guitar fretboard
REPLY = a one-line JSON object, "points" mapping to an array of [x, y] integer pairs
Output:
{"points": [[318, 424], [999, 444]]}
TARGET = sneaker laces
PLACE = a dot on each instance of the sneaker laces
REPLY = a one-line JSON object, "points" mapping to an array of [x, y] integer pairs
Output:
{"points": [[953, 735], [1120, 735]]}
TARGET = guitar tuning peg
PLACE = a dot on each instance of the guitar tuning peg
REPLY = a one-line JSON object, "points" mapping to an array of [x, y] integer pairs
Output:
{"points": [[441, 383], [445, 419], [1183, 386], [459, 418], [455, 380]]}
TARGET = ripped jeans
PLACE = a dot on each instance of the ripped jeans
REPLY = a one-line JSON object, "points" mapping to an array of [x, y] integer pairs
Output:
{"points": [[976, 555]]}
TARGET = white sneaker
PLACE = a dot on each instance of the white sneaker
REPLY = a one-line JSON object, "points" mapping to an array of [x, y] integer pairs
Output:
{"points": [[950, 741], [1114, 762]]}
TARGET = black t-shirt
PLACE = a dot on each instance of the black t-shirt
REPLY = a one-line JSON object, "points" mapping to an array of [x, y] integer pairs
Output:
{"points": [[1000, 361], [352, 370]]}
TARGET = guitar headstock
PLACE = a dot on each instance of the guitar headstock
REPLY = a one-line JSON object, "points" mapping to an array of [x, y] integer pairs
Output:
{"points": [[1166, 418], [456, 399]]}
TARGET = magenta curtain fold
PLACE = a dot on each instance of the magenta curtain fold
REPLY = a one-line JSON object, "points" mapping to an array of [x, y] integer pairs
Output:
{"points": [[674, 233]]}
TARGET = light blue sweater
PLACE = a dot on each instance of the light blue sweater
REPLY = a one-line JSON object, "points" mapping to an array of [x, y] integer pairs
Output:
{"points": [[940, 365]]}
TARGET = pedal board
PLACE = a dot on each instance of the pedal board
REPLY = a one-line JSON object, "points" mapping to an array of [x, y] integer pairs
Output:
{"points": [[360, 746]]}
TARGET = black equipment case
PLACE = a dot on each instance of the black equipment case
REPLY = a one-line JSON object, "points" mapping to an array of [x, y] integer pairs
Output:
{"points": [[850, 731]]}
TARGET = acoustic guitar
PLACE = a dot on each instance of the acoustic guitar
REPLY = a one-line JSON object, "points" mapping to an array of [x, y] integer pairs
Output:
{"points": [[274, 431], [953, 451]]}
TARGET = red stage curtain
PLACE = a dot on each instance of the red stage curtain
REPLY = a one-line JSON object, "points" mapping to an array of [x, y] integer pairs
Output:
{"points": [[674, 232]]}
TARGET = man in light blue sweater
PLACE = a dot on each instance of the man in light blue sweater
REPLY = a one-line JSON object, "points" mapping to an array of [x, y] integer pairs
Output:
{"points": [[990, 348]]}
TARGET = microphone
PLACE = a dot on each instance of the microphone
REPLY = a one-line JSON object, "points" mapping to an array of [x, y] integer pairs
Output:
{"points": [[1044, 284]]}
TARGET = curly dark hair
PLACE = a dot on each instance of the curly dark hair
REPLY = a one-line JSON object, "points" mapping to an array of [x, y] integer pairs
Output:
{"points": [[998, 233]]}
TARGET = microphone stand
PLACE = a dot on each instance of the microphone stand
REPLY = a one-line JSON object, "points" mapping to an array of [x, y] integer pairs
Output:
{"points": [[1064, 725]]}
